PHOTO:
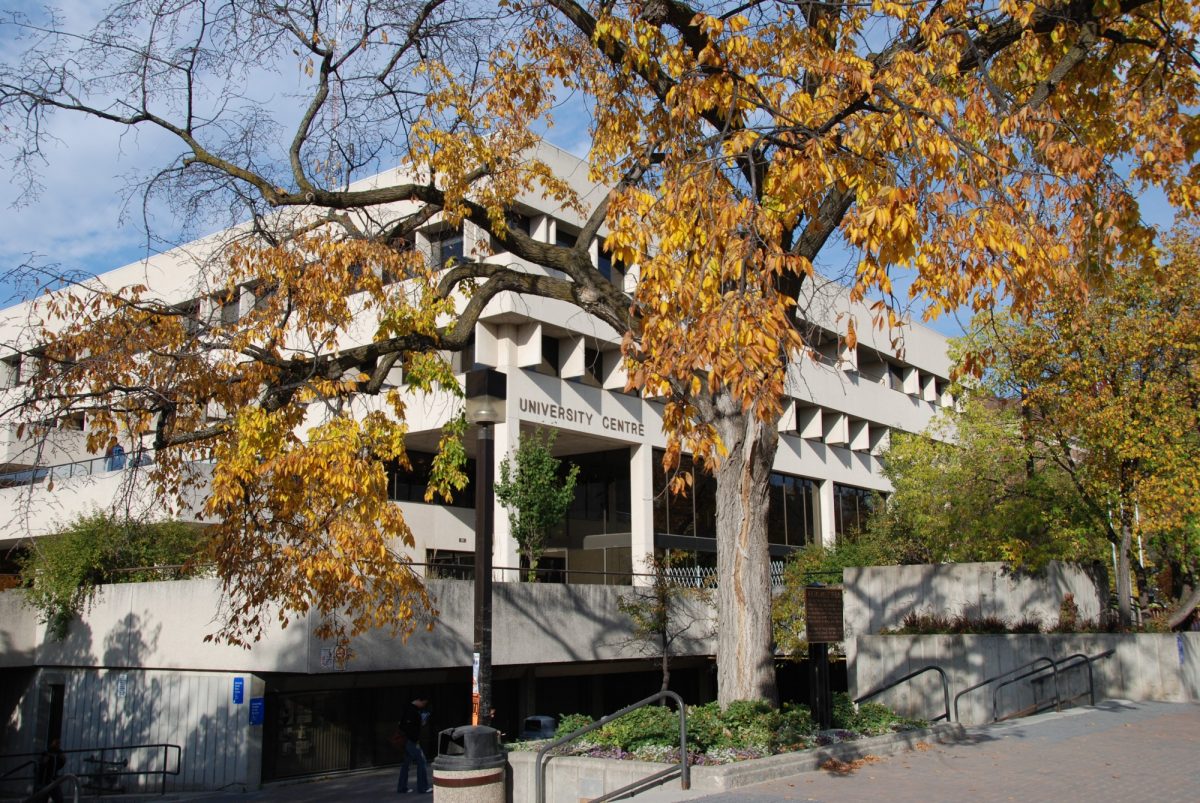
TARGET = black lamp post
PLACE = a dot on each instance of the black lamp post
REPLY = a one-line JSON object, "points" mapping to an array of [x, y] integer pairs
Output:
{"points": [[485, 406]]}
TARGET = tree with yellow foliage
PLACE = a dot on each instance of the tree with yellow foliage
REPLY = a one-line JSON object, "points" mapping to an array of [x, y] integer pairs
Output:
{"points": [[1110, 389], [979, 146]]}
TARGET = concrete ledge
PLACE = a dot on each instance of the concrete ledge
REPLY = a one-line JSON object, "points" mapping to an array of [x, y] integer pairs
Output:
{"points": [[572, 778]]}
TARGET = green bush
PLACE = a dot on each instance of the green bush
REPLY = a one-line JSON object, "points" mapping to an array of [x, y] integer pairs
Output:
{"points": [[61, 572], [569, 723], [795, 726], [705, 728], [654, 724], [869, 719]]}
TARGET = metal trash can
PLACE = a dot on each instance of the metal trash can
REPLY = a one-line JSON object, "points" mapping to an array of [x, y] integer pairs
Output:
{"points": [[470, 766]]}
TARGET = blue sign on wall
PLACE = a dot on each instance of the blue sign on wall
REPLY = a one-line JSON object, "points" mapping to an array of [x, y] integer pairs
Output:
{"points": [[257, 711], [239, 690]]}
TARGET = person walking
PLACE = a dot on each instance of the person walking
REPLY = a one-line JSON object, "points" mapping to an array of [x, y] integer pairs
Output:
{"points": [[408, 732]]}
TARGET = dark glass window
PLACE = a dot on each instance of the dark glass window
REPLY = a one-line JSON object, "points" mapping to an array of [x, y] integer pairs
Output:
{"points": [[693, 513], [410, 485], [565, 238], [602, 489], [446, 246], [550, 363], [851, 509], [594, 363], [789, 512], [447, 564], [612, 268]]}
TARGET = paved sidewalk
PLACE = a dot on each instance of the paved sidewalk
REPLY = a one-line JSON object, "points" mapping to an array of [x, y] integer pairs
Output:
{"points": [[1116, 751]]}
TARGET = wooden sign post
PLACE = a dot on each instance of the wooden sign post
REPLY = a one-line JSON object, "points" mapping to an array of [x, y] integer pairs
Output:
{"points": [[823, 623]]}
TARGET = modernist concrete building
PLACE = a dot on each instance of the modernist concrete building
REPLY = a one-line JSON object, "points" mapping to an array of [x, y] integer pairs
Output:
{"points": [[134, 670]]}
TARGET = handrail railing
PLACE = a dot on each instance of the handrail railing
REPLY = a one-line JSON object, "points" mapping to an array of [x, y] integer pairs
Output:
{"points": [[112, 769], [994, 678], [685, 776], [910, 676], [1061, 665], [21, 766], [1017, 678], [43, 794]]}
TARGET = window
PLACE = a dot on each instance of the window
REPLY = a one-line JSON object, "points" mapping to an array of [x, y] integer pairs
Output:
{"points": [[225, 308], [517, 221], [593, 360], [189, 314], [550, 358], [446, 564], [610, 267], [446, 246], [694, 514], [409, 485], [851, 509], [565, 238], [790, 510]]}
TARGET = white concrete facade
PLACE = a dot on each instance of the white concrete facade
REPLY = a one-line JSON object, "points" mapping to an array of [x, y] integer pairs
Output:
{"points": [[563, 372]]}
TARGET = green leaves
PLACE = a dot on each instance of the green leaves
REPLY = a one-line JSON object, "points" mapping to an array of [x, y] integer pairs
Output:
{"points": [[62, 573], [534, 493]]}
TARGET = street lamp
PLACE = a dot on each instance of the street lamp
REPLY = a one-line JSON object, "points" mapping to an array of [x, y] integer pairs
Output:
{"points": [[485, 406]]}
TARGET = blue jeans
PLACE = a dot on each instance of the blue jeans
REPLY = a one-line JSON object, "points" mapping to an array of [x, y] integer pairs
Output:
{"points": [[412, 753]]}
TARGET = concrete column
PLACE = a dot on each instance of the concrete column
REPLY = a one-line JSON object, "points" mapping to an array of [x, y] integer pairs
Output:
{"points": [[504, 546], [826, 528], [641, 505]]}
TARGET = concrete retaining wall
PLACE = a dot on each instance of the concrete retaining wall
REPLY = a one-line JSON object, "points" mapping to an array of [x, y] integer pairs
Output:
{"points": [[1162, 667], [162, 625], [879, 597]]}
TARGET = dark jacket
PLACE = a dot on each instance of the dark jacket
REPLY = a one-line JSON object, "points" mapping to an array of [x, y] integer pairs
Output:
{"points": [[410, 723]]}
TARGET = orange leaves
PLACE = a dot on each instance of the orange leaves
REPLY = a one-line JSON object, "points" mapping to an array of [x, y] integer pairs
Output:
{"points": [[305, 524]]}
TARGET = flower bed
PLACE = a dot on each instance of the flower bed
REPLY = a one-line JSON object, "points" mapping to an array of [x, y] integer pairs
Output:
{"points": [[743, 731]]}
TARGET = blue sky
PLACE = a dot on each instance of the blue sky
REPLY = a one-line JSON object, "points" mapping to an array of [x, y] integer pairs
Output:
{"points": [[84, 217]]}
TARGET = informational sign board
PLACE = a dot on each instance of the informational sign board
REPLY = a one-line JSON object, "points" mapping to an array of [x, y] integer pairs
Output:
{"points": [[258, 710], [823, 621], [122, 684], [239, 691]]}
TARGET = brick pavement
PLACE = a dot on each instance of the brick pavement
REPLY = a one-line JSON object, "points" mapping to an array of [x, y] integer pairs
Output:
{"points": [[1116, 751]]}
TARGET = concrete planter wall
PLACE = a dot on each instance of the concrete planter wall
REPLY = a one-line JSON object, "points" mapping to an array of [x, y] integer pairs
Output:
{"points": [[1143, 667], [570, 779]]}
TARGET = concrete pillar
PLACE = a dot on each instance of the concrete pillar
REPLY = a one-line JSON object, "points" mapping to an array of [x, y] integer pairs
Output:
{"points": [[641, 505], [826, 528], [504, 546]]}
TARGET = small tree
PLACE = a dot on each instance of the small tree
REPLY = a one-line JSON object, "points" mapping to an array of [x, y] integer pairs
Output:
{"points": [[62, 573], [658, 612], [534, 493]]}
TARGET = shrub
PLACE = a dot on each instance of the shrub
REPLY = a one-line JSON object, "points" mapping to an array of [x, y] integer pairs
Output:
{"points": [[869, 719], [569, 723], [61, 573], [654, 724], [705, 728], [796, 728]]}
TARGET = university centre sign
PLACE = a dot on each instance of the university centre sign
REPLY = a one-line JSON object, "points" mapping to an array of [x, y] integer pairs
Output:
{"points": [[589, 419]]}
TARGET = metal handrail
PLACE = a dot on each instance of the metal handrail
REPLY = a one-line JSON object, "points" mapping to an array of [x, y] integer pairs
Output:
{"points": [[910, 676], [11, 770], [1062, 664], [167, 750], [1030, 673], [685, 775], [994, 678], [43, 794]]}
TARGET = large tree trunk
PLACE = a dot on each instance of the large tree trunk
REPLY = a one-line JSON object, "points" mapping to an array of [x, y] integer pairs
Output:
{"points": [[745, 662], [1124, 583]]}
